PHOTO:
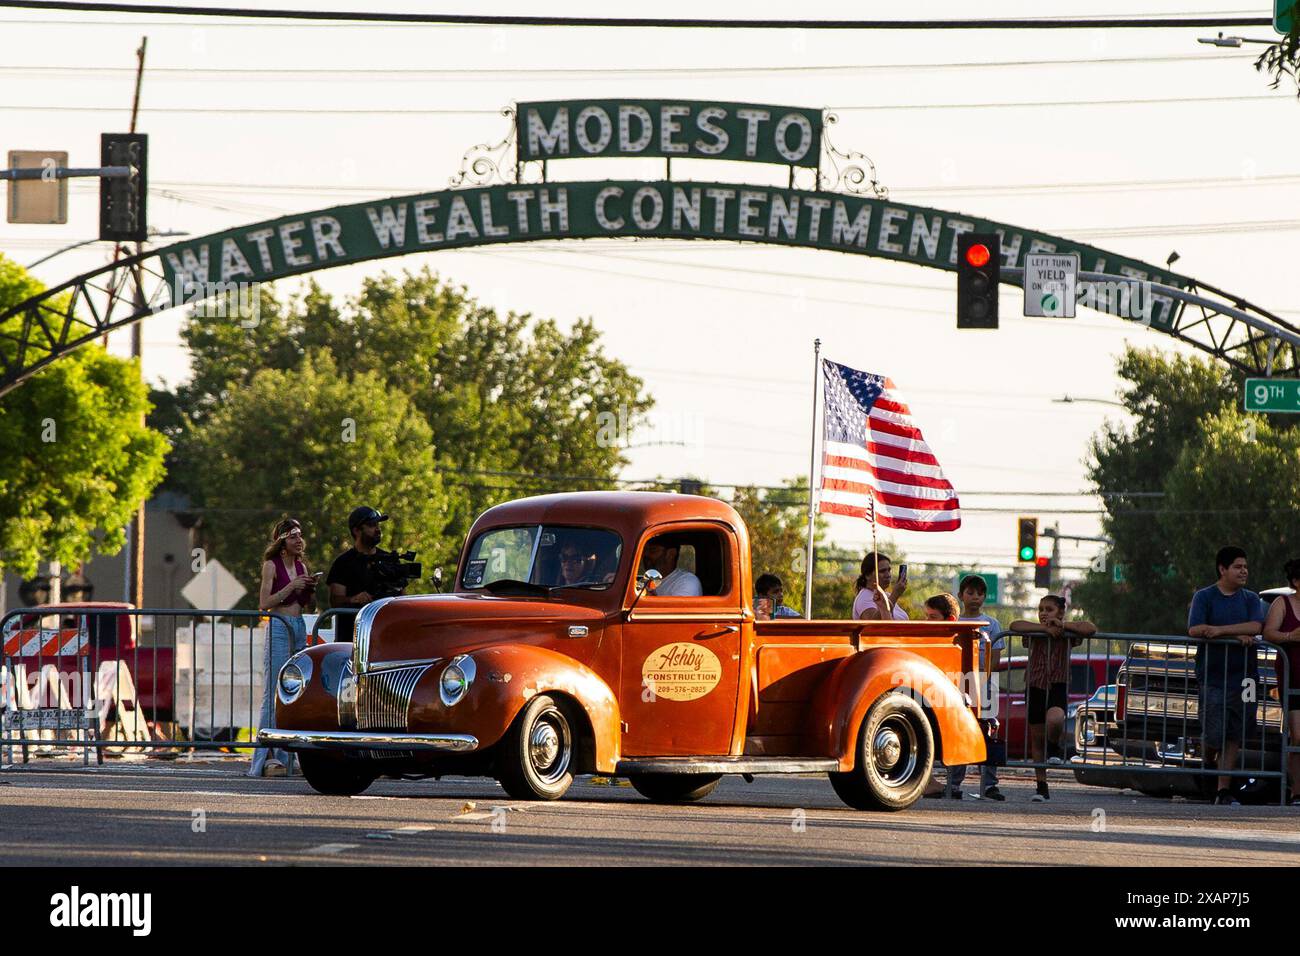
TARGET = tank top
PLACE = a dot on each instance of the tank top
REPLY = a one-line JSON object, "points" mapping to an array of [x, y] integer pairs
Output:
{"points": [[302, 596], [1291, 650]]}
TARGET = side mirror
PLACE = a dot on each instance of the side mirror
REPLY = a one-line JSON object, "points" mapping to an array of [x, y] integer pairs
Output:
{"points": [[437, 579], [646, 583]]}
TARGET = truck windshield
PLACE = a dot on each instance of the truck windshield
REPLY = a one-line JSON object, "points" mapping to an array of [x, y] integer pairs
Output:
{"points": [[549, 556]]}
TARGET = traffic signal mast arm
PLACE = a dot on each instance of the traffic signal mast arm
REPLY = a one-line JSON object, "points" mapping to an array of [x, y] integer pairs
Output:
{"points": [[1272, 328], [62, 172]]}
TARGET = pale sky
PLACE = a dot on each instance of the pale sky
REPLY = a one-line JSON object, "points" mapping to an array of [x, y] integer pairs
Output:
{"points": [[723, 334]]}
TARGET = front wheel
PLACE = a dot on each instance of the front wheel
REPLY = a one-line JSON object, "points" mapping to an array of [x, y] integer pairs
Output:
{"points": [[333, 777], [895, 754], [674, 787], [537, 752]]}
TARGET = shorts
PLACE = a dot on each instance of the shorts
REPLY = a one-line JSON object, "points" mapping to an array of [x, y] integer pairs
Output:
{"points": [[1224, 716], [1041, 701]]}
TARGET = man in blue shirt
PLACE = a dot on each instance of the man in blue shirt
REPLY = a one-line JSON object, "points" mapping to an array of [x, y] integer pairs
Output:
{"points": [[1226, 671]]}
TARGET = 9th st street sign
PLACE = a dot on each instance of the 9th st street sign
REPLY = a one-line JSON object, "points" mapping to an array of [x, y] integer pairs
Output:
{"points": [[1273, 395]]}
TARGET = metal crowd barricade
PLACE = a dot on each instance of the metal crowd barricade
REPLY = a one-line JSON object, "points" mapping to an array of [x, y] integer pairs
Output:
{"points": [[94, 678], [1134, 711]]}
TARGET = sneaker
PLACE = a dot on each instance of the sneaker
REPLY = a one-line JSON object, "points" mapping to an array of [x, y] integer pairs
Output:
{"points": [[1042, 796], [274, 768], [1225, 798], [956, 794], [993, 793], [1055, 756], [932, 794]]}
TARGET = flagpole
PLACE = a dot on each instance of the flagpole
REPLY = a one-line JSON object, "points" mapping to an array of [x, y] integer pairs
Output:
{"points": [[812, 486]]}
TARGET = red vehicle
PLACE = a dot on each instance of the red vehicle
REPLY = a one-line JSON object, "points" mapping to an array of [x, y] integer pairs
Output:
{"points": [[1087, 673]]}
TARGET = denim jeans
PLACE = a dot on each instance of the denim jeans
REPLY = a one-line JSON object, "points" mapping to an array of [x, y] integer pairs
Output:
{"points": [[281, 644], [988, 777]]}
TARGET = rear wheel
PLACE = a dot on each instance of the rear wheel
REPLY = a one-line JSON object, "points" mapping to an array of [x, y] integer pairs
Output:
{"points": [[674, 787], [895, 754], [334, 777], [537, 753]]}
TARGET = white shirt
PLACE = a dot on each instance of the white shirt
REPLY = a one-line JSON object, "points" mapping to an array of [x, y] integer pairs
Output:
{"points": [[989, 641], [680, 583], [866, 600]]}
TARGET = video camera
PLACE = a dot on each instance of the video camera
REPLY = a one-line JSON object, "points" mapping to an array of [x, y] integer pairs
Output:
{"points": [[388, 572]]}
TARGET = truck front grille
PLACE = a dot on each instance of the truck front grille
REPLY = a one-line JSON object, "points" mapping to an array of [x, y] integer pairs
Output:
{"points": [[383, 697]]}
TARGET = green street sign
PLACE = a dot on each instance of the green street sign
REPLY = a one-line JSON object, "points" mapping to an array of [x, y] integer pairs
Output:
{"points": [[1284, 12], [990, 582], [1272, 395]]}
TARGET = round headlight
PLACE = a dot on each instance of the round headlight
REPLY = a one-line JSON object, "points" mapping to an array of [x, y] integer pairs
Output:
{"points": [[455, 680], [293, 678]]}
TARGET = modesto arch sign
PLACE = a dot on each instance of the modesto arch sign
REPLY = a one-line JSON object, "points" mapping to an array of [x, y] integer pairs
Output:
{"points": [[832, 202]]}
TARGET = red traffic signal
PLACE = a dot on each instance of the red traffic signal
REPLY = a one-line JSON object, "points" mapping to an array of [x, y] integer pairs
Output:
{"points": [[1043, 572], [979, 261]]}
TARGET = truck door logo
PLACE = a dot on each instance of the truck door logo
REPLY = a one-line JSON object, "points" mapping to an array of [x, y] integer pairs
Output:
{"points": [[681, 671]]}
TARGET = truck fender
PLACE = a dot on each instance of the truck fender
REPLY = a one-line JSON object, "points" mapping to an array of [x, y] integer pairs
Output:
{"points": [[507, 677], [859, 681]]}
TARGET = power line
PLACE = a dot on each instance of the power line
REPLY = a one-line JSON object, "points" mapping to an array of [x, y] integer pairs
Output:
{"points": [[1280, 97], [471, 19], [351, 73], [1122, 185]]}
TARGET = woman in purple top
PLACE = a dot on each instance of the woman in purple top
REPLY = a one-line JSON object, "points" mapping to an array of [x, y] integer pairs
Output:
{"points": [[288, 589], [1282, 627]]}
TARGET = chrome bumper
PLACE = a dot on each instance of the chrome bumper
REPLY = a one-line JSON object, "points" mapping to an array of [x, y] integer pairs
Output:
{"points": [[364, 740]]}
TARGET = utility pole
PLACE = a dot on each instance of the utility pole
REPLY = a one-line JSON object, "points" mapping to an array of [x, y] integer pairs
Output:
{"points": [[135, 530]]}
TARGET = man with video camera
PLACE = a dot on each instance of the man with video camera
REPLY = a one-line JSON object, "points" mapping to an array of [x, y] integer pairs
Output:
{"points": [[365, 572]]}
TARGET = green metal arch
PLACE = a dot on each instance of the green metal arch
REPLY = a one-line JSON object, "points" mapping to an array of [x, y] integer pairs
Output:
{"points": [[38, 331]]}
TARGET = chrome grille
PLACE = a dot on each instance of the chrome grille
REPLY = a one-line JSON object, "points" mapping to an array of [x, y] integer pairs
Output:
{"points": [[384, 696]]}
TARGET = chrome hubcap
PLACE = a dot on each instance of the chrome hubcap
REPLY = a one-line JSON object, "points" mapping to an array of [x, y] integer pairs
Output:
{"points": [[888, 749], [545, 744], [550, 746], [895, 751]]}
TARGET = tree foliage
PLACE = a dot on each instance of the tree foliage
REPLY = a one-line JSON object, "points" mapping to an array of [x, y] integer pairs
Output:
{"points": [[508, 401], [1282, 59], [321, 445], [78, 459], [1165, 536]]}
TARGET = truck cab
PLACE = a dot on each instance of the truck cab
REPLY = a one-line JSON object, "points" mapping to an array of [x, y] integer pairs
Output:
{"points": [[613, 632]]}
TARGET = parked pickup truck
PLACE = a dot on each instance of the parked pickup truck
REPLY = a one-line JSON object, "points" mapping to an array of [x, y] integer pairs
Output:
{"points": [[1153, 722], [639, 656]]}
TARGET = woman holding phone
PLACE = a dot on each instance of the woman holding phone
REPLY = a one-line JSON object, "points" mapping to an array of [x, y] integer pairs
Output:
{"points": [[288, 589]]}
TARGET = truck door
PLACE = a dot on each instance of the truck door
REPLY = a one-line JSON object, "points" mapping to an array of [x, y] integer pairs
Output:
{"points": [[681, 648]]}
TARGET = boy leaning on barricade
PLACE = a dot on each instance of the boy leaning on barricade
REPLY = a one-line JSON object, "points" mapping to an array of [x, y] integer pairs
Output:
{"points": [[1226, 611], [971, 592], [1047, 676]]}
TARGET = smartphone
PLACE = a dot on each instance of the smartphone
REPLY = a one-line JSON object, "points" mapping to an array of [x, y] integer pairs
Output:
{"points": [[317, 575], [902, 572]]}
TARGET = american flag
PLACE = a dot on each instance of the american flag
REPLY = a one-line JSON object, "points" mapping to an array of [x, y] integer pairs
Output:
{"points": [[874, 458]]}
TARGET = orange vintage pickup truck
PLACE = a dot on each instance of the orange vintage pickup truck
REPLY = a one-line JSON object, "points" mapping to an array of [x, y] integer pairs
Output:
{"points": [[614, 633]]}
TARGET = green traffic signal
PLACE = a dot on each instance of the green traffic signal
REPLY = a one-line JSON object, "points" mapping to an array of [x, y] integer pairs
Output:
{"points": [[1026, 553]]}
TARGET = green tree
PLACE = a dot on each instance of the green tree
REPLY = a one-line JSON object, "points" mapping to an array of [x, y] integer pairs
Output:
{"points": [[78, 460], [1234, 483], [778, 533], [1283, 58], [511, 401], [1145, 584], [322, 445]]}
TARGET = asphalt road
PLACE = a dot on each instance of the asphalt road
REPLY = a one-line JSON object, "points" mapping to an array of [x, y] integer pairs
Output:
{"points": [[175, 813]]}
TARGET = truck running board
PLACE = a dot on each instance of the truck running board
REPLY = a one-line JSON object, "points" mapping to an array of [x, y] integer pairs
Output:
{"points": [[725, 764]]}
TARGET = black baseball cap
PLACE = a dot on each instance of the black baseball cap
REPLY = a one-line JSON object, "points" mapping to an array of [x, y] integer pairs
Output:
{"points": [[364, 515]]}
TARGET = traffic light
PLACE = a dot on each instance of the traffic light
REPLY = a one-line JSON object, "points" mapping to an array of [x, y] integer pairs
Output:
{"points": [[1043, 572], [979, 266], [1027, 534], [122, 201]]}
